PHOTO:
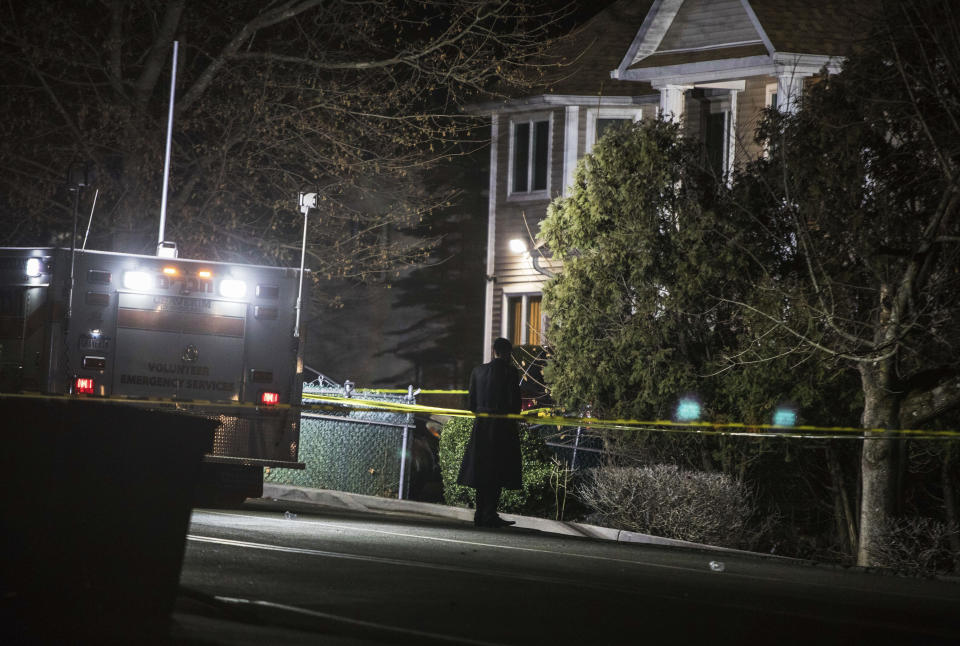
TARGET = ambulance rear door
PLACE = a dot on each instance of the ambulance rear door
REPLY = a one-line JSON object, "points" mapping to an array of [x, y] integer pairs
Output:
{"points": [[183, 347]]}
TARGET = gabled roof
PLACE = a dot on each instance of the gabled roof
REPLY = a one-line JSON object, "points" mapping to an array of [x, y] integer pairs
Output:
{"points": [[826, 27], [686, 37], [587, 55], [630, 45]]}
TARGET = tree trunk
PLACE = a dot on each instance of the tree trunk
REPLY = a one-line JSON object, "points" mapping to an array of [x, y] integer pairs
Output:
{"points": [[878, 469]]}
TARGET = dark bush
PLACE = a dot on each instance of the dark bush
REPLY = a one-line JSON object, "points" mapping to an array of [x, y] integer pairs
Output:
{"points": [[916, 545], [536, 498], [662, 500]]}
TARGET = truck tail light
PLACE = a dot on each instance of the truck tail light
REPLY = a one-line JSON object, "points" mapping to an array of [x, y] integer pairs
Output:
{"points": [[83, 386], [269, 398]]}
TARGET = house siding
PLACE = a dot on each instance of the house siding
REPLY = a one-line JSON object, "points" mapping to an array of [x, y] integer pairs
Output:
{"points": [[750, 105], [514, 271]]}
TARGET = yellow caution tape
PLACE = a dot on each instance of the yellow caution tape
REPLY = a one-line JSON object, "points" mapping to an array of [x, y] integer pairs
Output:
{"points": [[541, 416], [736, 429]]}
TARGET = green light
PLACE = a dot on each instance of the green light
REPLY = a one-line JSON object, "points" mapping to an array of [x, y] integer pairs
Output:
{"points": [[784, 417], [688, 410]]}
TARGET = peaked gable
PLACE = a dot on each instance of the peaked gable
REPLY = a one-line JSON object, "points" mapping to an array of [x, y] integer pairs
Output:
{"points": [[682, 29], [710, 24], [744, 34]]}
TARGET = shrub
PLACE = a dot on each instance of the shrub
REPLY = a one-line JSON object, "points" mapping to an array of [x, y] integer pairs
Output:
{"points": [[535, 498], [662, 500], [915, 545]]}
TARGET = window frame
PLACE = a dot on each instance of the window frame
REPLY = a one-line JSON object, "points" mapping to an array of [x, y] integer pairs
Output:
{"points": [[531, 119], [769, 92], [595, 114], [524, 294]]}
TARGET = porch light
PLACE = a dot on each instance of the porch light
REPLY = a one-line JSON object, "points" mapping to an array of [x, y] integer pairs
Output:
{"points": [[518, 246]]}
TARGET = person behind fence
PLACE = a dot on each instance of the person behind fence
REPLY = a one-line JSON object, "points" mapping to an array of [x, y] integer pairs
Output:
{"points": [[492, 459]]}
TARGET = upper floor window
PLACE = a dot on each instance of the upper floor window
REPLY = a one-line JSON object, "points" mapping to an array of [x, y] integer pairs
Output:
{"points": [[530, 155]]}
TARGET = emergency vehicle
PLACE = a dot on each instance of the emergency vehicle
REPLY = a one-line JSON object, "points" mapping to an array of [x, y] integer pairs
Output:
{"points": [[215, 339]]}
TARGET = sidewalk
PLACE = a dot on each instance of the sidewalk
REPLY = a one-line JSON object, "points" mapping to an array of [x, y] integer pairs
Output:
{"points": [[327, 499]]}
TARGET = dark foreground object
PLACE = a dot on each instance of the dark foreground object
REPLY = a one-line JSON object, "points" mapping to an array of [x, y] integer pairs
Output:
{"points": [[94, 510]]}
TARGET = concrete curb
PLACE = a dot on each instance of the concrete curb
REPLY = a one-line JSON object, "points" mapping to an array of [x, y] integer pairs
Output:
{"points": [[374, 504]]}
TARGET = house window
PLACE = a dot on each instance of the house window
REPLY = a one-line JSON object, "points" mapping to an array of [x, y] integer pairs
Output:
{"points": [[600, 120], [771, 96], [524, 319], [605, 124], [530, 157]]}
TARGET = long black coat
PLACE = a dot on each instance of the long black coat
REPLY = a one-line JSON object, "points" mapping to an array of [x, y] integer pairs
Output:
{"points": [[492, 458]]}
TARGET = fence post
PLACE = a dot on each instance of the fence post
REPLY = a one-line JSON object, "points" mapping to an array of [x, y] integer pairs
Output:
{"points": [[403, 447], [576, 447]]}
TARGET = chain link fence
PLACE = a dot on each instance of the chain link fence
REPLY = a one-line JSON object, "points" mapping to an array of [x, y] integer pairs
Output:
{"points": [[356, 451]]}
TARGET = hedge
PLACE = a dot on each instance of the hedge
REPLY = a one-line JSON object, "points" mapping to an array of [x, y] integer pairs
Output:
{"points": [[536, 498]]}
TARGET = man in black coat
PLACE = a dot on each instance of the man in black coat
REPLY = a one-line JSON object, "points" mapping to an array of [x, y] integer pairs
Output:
{"points": [[492, 460]]}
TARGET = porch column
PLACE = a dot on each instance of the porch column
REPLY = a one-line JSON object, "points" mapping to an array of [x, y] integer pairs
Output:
{"points": [[732, 138], [672, 99], [789, 91]]}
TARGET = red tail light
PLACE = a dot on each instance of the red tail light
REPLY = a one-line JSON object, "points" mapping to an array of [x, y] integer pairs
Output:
{"points": [[83, 386], [269, 398]]}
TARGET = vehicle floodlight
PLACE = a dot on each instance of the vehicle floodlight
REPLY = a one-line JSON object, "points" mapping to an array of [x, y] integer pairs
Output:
{"points": [[167, 249], [232, 288], [34, 268], [308, 201], [137, 281]]}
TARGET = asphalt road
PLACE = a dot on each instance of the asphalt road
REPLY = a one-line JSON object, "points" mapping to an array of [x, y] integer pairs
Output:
{"points": [[256, 575]]}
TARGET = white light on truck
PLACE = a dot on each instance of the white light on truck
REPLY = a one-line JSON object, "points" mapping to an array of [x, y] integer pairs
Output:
{"points": [[136, 280], [33, 267], [230, 288]]}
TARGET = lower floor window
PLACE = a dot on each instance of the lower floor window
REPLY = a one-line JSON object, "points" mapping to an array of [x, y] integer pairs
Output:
{"points": [[524, 320]]}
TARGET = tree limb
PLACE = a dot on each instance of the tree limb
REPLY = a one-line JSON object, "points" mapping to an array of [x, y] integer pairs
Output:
{"points": [[284, 12], [158, 53], [920, 407]]}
